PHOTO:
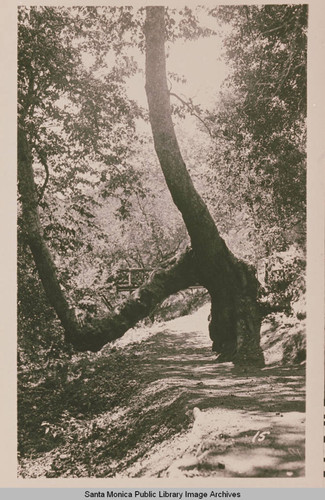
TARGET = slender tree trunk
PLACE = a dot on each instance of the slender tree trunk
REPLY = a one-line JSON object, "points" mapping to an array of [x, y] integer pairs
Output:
{"points": [[34, 235], [235, 321]]}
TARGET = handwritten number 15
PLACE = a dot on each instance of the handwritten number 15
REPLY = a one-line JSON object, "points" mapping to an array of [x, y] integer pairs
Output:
{"points": [[260, 436]]}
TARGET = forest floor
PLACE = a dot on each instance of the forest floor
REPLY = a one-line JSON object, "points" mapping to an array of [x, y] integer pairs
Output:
{"points": [[160, 406]]}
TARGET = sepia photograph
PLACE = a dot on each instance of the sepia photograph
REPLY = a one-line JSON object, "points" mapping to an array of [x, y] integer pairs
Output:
{"points": [[161, 241]]}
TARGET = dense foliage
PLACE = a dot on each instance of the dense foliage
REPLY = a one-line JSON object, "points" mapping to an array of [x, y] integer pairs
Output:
{"points": [[258, 164]]}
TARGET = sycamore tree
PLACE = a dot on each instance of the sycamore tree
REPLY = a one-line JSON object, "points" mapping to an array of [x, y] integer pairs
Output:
{"points": [[77, 130]]}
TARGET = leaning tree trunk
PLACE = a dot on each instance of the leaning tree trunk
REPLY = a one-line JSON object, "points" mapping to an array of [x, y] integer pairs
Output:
{"points": [[178, 273], [235, 320]]}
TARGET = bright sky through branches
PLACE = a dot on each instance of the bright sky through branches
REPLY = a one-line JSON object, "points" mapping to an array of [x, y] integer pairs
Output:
{"points": [[199, 62]]}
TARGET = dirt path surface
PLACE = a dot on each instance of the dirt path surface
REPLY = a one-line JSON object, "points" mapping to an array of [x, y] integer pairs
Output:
{"points": [[156, 404], [247, 423]]}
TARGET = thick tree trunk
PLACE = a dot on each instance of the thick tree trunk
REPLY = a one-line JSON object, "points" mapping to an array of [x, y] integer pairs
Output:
{"points": [[235, 322]]}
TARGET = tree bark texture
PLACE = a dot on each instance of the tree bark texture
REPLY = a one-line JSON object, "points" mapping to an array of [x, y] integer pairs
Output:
{"points": [[235, 320]]}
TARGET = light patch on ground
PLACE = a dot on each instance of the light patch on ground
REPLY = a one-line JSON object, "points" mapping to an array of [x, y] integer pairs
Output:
{"points": [[198, 321], [230, 443]]}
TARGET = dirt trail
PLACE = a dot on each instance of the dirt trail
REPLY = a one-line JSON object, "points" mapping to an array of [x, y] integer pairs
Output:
{"points": [[156, 404], [247, 422]]}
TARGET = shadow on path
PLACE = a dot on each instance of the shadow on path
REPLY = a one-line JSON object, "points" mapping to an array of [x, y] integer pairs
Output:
{"points": [[247, 422], [156, 404]]}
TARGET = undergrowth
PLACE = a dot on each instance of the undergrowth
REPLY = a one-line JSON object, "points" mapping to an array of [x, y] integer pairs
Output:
{"points": [[90, 419], [85, 415]]}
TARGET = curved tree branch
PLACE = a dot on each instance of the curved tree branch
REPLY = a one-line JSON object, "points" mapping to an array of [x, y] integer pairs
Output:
{"points": [[189, 107], [179, 273]]}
